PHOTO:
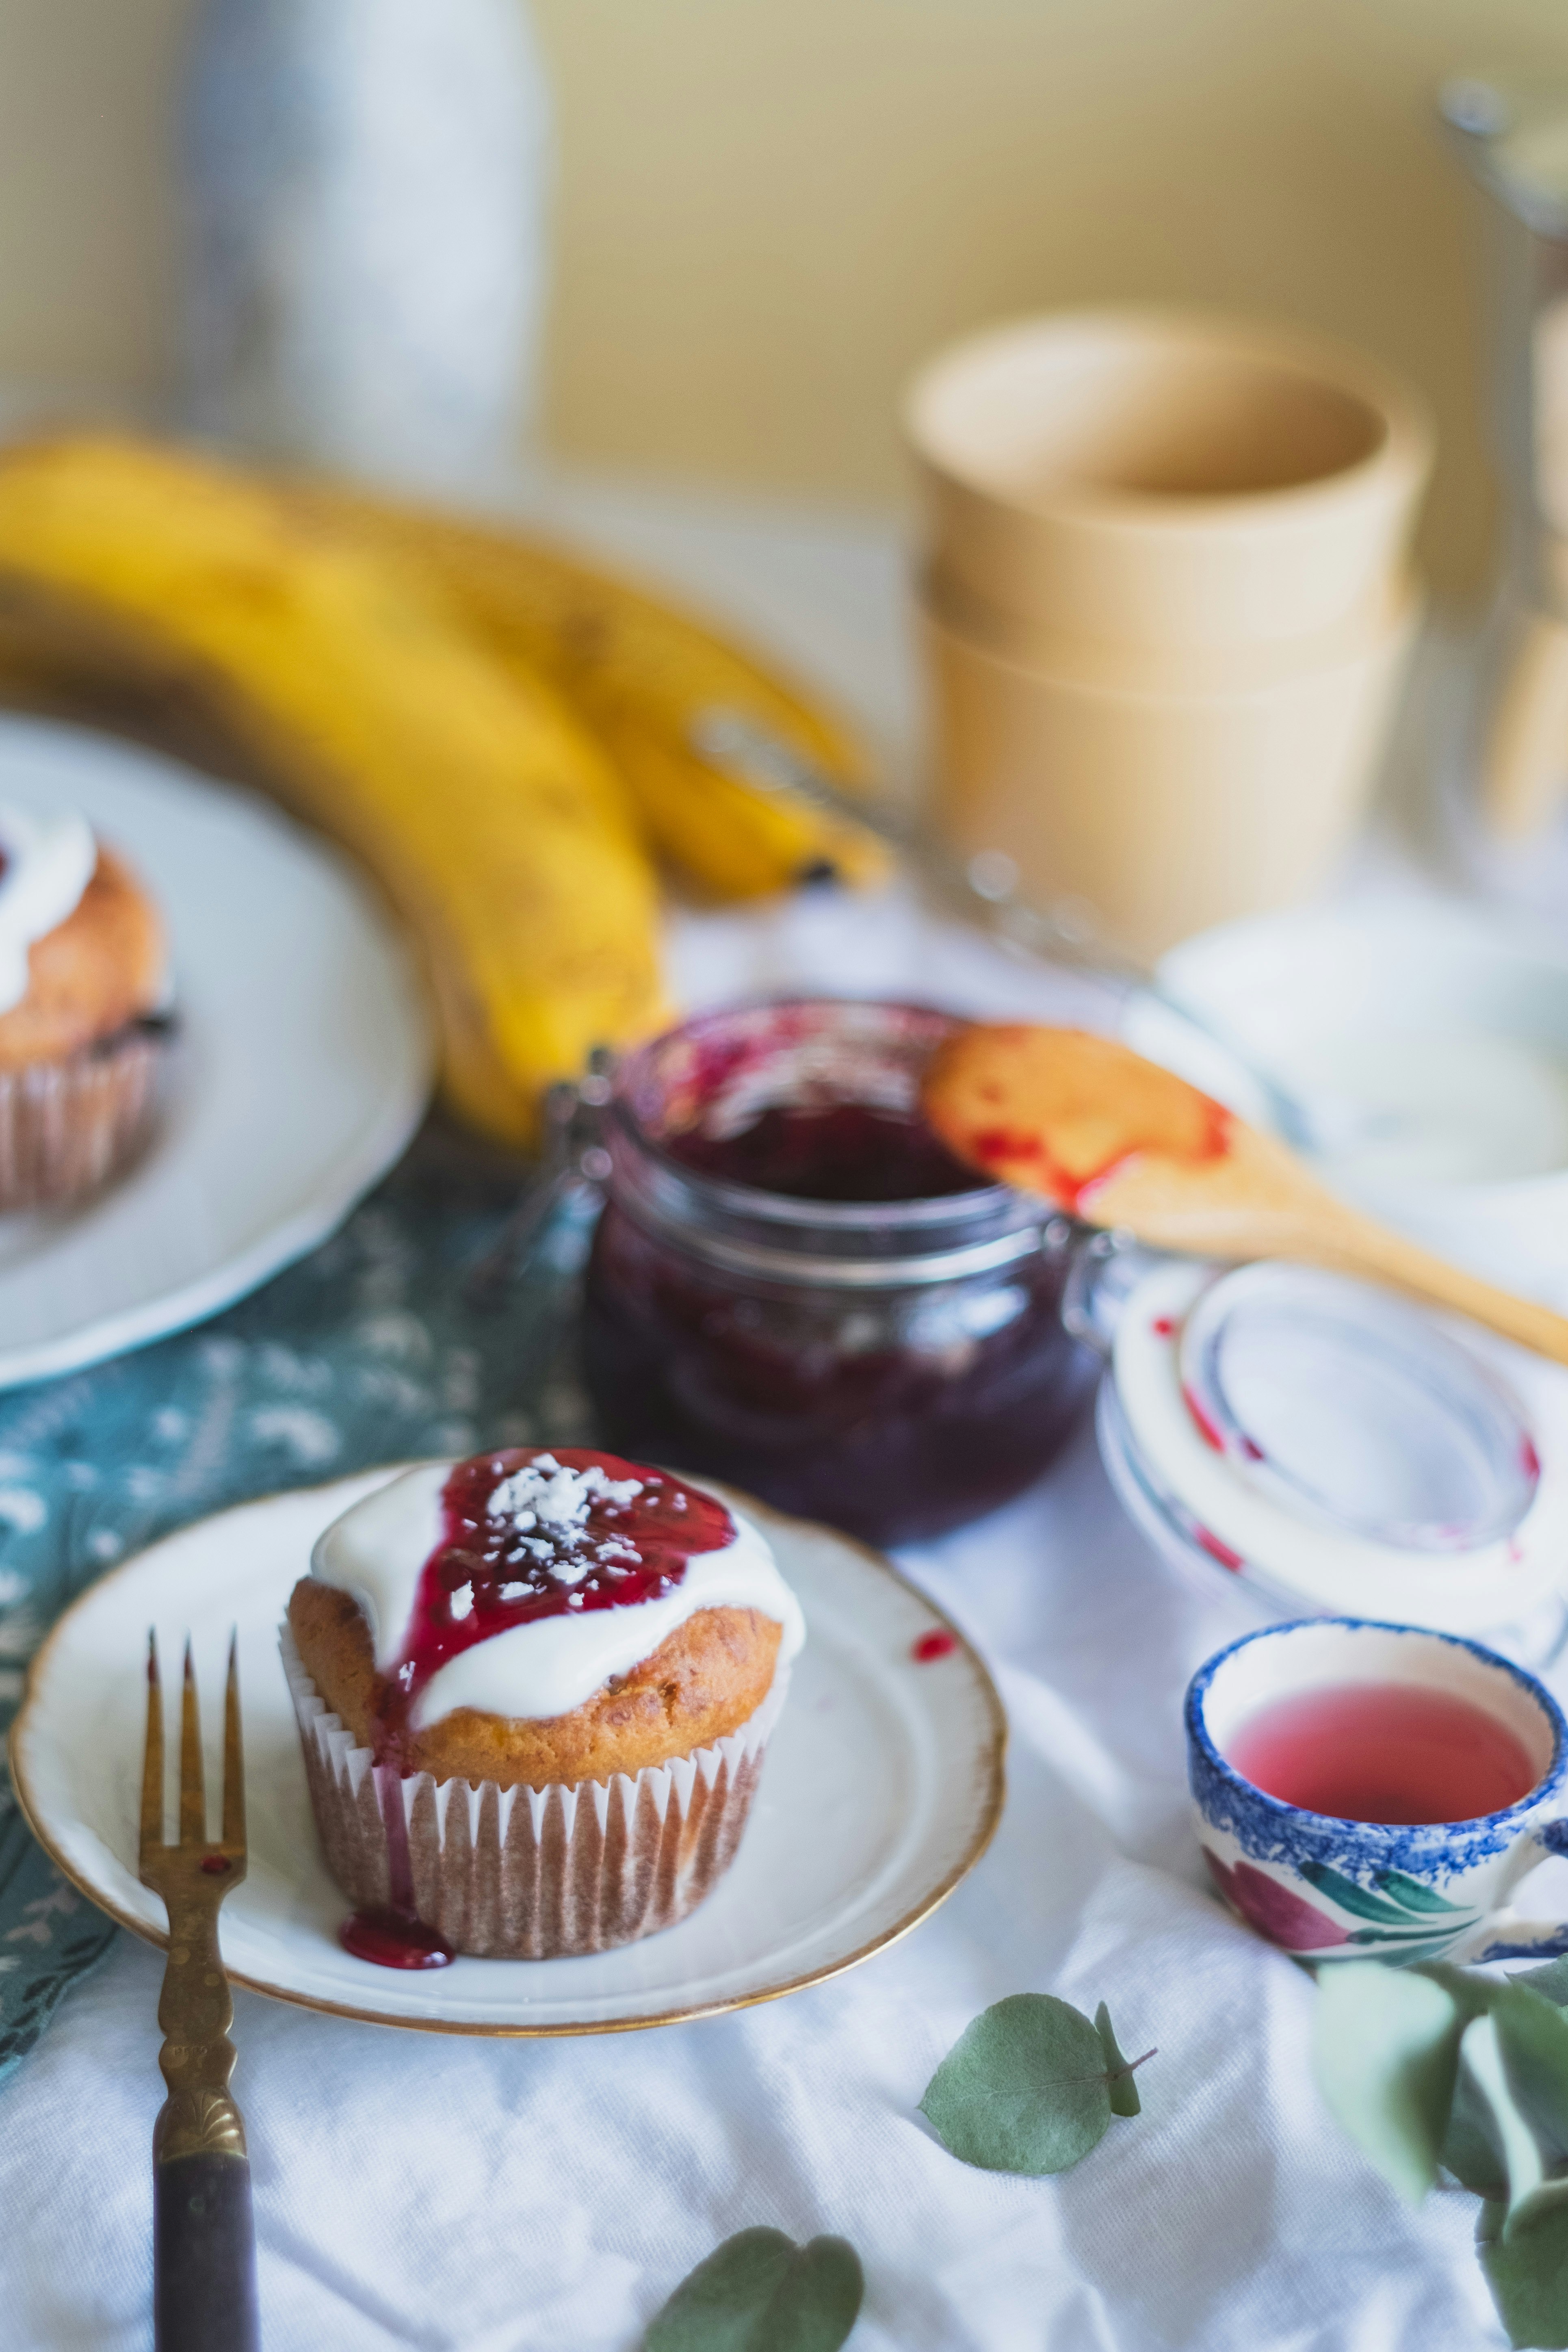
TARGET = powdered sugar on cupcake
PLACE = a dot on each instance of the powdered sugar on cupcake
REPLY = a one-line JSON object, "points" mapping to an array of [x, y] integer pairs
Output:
{"points": [[520, 1583], [548, 1497]]}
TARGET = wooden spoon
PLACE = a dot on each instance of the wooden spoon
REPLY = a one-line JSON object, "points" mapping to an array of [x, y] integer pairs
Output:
{"points": [[1119, 1141]]}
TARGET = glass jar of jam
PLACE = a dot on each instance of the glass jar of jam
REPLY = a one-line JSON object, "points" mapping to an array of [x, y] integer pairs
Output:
{"points": [[795, 1286]]}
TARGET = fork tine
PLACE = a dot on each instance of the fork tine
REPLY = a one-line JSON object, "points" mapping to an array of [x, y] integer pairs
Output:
{"points": [[193, 1786], [233, 1756], [152, 1762]]}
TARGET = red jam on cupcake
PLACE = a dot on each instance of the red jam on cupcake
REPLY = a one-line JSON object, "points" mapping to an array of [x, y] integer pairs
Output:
{"points": [[533, 1690]]}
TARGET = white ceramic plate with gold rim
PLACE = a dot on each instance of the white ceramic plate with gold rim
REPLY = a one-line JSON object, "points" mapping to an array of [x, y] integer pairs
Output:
{"points": [[883, 1786], [303, 1065]]}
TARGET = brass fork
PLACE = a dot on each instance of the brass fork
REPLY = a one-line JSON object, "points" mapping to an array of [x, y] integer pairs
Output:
{"points": [[203, 2243]]}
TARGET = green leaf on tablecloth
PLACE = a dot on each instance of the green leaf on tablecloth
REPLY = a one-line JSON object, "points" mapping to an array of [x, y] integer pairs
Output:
{"points": [[1471, 2150], [1435, 2064], [1516, 2067], [1025, 2088], [759, 2292], [1121, 2079], [1551, 1981], [1533, 2036], [1525, 2258], [1385, 2053], [1522, 2165]]}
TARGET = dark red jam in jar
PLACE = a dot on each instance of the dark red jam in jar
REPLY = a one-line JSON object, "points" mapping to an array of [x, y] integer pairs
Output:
{"points": [[795, 1286]]}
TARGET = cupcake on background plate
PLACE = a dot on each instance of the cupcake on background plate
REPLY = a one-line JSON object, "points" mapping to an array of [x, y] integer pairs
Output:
{"points": [[533, 1691], [83, 979]]}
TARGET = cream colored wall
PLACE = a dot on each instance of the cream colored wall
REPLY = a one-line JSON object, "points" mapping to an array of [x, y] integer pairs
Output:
{"points": [[769, 208], [85, 244]]}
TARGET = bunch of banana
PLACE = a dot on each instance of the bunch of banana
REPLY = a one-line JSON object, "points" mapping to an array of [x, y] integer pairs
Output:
{"points": [[642, 676], [493, 820]]}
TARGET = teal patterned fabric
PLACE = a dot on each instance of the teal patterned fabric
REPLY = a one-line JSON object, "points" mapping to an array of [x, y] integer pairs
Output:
{"points": [[366, 1352]]}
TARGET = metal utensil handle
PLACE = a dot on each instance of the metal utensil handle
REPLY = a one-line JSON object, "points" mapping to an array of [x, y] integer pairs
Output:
{"points": [[573, 1165], [204, 2255], [985, 887]]}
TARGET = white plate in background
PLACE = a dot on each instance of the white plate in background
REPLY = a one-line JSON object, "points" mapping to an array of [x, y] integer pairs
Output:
{"points": [[303, 1063], [882, 1785], [1430, 1036]]}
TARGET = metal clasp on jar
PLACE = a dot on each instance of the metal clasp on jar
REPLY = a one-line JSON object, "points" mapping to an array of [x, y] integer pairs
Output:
{"points": [[1102, 1269], [575, 1165]]}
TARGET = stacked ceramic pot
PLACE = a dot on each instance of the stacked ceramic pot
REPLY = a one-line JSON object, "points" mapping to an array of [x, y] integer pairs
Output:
{"points": [[1166, 604]]}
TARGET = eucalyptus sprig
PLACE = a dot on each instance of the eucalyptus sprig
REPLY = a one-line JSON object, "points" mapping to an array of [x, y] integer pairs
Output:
{"points": [[759, 2292], [1432, 2067], [1031, 2087]]}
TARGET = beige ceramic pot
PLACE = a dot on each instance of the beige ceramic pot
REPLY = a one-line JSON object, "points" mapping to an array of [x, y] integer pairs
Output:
{"points": [[1158, 479], [1163, 809], [1179, 669]]}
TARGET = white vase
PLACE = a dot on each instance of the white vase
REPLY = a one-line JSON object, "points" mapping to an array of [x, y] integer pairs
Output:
{"points": [[366, 186]]}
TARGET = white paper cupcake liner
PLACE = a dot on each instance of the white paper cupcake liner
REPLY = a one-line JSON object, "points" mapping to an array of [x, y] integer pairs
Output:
{"points": [[67, 1127], [529, 1873]]}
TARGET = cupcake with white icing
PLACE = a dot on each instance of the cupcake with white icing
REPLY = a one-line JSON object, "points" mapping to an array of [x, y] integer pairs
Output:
{"points": [[533, 1691], [83, 979]]}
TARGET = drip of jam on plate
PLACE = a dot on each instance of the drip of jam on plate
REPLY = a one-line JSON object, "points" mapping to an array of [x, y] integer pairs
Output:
{"points": [[395, 1939], [830, 1151], [526, 1534], [926, 1648]]}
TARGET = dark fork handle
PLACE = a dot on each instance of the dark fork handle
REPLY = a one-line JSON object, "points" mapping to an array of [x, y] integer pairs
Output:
{"points": [[204, 2255]]}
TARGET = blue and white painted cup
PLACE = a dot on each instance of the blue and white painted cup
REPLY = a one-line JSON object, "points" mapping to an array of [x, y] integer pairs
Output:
{"points": [[1337, 1890]]}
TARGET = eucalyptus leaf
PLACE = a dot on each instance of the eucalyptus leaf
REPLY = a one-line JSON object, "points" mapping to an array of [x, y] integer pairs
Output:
{"points": [[1470, 2149], [1481, 2055], [1533, 2036], [1474, 1995], [1552, 1980], [1121, 2081], [1526, 2266], [1489, 2221], [1023, 2089], [1385, 2055], [759, 2292]]}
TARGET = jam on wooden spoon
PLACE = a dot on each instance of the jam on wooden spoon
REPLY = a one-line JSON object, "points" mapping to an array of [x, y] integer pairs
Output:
{"points": [[1119, 1141]]}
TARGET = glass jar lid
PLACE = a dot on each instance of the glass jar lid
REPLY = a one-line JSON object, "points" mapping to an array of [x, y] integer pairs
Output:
{"points": [[1353, 1409], [1333, 1444]]}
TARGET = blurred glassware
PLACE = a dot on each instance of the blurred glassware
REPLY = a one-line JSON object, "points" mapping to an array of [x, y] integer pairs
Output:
{"points": [[1430, 1036], [1166, 606], [1163, 479], [1294, 1442], [793, 1286], [1165, 809], [364, 198], [1511, 133]]}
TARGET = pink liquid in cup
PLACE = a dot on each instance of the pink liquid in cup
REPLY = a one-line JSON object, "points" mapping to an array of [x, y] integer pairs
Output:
{"points": [[1383, 1752]]}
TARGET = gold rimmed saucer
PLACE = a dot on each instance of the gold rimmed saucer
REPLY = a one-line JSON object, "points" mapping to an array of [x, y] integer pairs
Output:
{"points": [[883, 1785]]}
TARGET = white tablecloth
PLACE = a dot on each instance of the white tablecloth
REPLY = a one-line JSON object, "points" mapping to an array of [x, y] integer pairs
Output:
{"points": [[500, 2197]]}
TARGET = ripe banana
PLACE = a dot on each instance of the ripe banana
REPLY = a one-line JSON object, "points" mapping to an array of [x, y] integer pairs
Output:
{"points": [[639, 674], [492, 820]]}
